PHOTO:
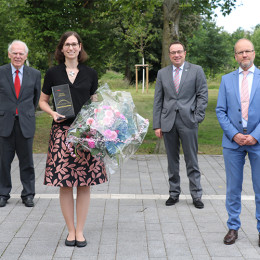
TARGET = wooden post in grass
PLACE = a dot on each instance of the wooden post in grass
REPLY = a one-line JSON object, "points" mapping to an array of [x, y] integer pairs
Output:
{"points": [[147, 76]]}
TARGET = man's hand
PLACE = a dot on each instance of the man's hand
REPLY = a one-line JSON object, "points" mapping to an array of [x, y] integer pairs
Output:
{"points": [[250, 140], [158, 132], [240, 139]]}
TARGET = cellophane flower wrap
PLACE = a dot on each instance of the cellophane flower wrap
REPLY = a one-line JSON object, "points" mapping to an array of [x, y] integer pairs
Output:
{"points": [[110, 128]]}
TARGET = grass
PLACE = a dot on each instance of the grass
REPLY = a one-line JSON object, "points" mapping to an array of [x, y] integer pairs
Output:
{"points": [[42, 133], [210, 133]]}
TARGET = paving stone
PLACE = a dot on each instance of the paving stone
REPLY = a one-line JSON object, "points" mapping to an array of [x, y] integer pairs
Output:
{"points": [[128, 219]]}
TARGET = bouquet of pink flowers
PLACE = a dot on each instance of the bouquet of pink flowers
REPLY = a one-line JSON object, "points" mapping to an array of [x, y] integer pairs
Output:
{"points": [[109, 128]]}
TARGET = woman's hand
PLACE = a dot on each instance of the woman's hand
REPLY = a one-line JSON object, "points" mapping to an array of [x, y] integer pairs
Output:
{"points": [[44, 105], [58, 118]]}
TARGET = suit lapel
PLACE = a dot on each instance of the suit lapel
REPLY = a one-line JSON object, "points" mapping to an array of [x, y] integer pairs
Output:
{"points": [[171, 83], [235, 84], [184, 75], [25, 78], [255, 83], [9, 76]]}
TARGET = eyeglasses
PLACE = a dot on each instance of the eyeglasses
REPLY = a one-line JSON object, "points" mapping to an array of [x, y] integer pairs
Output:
{"points": [[176, 52], [246, 52], [74, 45], [18, 53]]}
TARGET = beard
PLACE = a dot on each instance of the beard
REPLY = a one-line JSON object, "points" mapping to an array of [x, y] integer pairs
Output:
{"points": [[246, 64]]}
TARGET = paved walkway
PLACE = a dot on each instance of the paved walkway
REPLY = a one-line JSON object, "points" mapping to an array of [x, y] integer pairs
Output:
{"points": [[128, 218]]}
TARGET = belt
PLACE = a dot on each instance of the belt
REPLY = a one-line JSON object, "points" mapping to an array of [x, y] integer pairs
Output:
{"points": [[244, 130]]}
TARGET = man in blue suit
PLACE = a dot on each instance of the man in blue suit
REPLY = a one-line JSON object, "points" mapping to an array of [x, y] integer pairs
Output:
{"points": [[238, 113]]}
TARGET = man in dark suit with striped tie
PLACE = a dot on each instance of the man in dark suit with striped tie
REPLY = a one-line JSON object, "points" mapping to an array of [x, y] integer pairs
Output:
{"points": [[20, 88], [180, 100]]}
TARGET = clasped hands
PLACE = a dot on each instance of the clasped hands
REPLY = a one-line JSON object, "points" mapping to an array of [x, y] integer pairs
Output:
{"points": [[241, 139]]}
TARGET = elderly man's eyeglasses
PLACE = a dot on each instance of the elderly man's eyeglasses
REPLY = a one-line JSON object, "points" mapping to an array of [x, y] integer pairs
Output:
{"points": [[18, 53], [246, 52], [74, 45], [176, 52]]}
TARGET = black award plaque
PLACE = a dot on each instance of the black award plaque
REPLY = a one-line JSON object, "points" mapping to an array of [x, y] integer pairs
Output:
{"points": [[62, 100]]}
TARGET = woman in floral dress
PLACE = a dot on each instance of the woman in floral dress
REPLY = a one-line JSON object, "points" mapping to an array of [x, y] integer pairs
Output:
{"points": [[63, 169]]}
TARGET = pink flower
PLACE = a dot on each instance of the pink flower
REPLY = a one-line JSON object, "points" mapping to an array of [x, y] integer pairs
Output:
{"points": [[91, 143], [110, 134], [107, 133], [107, 120], [90, 121], [117, 113], [113, 135], [96, 110], [109, 113]]}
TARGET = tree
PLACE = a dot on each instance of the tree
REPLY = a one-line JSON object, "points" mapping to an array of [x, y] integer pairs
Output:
{"points": [[210, 47], [9, 21], [256, 41], [132, 32], [172, 11]]}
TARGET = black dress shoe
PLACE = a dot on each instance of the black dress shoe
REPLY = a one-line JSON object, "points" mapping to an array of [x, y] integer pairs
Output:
{"points": [[231, 237], [70, 242], [81, 243], [171, 201], [28, 202], [3, 202], [198, 203]]}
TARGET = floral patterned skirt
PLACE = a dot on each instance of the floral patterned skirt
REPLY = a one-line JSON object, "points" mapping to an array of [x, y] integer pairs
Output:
{"points": [[64, 170]]}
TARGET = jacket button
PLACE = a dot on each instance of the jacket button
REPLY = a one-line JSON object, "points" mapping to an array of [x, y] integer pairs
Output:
{"points": [[239, 109], [240, 122]]}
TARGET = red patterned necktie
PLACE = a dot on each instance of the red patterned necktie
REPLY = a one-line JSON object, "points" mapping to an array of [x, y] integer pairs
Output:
{"points": [[245, 96], [177, 79], [17, 86]]}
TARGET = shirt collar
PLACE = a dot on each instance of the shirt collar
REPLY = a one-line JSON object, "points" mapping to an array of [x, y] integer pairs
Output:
{"points": [[181, 67], [14, 69], [251, 69]]}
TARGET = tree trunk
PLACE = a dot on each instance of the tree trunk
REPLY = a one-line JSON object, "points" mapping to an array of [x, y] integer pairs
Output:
{"points": [[127, 69], [171, 20]]}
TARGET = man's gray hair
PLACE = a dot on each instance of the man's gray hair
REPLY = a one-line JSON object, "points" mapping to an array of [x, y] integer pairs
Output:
{"points": [[18, 41]]}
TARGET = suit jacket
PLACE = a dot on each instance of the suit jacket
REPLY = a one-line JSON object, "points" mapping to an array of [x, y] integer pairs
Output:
{"points": [[228, 108], [191, 99], [26, 102]]}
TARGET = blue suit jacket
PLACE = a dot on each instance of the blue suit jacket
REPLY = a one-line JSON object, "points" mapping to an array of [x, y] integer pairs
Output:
{"points": [[228, 108]]}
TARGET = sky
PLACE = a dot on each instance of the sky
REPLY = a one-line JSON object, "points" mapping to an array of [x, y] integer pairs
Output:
{"points": [[246, 15]]}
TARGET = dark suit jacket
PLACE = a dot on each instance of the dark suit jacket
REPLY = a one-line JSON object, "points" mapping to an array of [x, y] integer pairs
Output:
{"points": [[26, 103], [191, 99]]}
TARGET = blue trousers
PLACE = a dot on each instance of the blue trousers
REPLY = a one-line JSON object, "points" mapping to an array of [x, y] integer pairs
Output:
{"points": [[234, 164]]}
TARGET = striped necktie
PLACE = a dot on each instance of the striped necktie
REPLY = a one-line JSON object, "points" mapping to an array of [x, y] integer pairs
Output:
{"points": [[244, 96], [176, 79]]}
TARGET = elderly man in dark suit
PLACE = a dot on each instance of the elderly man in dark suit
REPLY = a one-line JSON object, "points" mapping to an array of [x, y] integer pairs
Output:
{"points": [[20, 88], [180, 100]]}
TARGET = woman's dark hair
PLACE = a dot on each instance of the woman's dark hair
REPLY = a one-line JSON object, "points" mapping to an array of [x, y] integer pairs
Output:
{"points": [[59, 56]]}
